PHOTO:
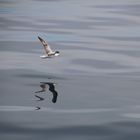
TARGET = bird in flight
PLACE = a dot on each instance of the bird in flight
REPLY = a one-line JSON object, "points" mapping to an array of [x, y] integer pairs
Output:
{"points": [[49, 52]]}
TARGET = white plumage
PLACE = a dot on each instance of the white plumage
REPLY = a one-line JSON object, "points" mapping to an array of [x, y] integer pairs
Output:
{"points": [[48, 50]]}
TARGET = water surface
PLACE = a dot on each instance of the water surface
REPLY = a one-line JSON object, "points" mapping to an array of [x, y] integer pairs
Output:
{"points": [[91, 91]]}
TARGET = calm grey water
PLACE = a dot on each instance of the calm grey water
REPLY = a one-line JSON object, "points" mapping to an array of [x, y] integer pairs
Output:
{"points": [[91, 91]]}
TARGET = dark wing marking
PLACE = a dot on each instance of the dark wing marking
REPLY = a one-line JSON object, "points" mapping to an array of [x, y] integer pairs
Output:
{"points": [[46, 46]]}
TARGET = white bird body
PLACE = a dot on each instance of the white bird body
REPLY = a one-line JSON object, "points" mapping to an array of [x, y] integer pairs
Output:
{"points": [[44, 56], [49, 52]]}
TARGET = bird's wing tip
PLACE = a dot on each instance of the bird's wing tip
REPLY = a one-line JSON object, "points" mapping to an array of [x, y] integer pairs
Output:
{"points": [[39, 38], [43, 41]]}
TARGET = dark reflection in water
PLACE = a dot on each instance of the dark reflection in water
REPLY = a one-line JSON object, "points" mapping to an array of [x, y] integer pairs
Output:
{"points": [[99, 41], [44, 87], [37, 108], [39, 98]]}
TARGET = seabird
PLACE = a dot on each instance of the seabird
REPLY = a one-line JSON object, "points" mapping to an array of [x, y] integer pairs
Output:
{"points": [[49, 52]]}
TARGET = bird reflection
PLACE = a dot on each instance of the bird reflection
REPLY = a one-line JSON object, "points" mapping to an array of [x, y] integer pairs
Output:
{"points": [[39, 98], [43, 87], [47, 85], [37, 108]]}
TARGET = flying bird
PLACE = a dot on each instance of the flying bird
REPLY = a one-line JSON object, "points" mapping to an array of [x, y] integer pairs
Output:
{"points": [[49, 52]]}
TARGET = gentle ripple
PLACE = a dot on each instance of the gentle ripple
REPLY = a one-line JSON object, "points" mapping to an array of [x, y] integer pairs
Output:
{"points": [[96, 77]]}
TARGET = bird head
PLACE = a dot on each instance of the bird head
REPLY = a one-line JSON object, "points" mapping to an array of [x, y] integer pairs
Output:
{"points": [[57, 53]]}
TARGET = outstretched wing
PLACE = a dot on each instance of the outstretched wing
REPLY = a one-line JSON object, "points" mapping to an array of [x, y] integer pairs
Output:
{"points": [[46, 46]]}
